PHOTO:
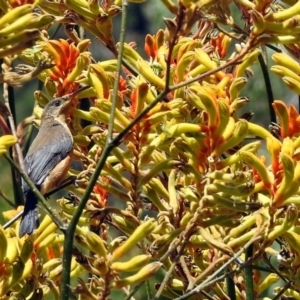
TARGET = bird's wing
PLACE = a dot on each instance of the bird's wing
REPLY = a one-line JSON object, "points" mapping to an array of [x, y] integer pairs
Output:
{"points": [[50, 146]]}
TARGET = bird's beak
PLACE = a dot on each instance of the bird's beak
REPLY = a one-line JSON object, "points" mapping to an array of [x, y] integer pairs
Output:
{"points": [[68, 102], [78, 91]]}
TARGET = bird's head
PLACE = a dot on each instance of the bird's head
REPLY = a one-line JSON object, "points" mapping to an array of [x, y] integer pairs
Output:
{"points": [[56, 107], [60, 106]]}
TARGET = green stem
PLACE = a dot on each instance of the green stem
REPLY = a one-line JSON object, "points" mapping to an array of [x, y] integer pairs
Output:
{"points": [[268, 86], [214, 277], [230, 288], [16, 179], [110, 145], [119, 67], [249, 275], [169, 272], [28, 139], [69, 234], [68, 244], [42, 200], [231, 62], [288, 285], [27, 142], [134, 290]]}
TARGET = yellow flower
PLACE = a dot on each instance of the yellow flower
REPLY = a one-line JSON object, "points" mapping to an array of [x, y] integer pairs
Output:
{"points": [[6, 141]]}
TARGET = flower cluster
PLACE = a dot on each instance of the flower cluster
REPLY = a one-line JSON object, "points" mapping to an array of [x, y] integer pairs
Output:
{"points": [[186, 162]]}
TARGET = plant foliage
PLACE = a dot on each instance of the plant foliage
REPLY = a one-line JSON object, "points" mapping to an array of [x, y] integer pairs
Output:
{"points": [[166, 137]]}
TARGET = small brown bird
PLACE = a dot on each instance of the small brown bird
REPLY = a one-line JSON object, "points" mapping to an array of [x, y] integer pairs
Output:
{"points": [[48, 159]]}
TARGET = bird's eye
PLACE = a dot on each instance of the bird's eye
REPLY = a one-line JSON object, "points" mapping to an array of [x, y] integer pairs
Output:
{"points": [[57, 103]]}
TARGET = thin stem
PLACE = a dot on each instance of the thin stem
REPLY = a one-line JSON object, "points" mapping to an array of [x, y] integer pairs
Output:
{"points": [[54, 216], [26, 144], [213, 278], [13, 220], [69, 234], [240, 38], [119, 138], [66, 183], [134, 290], [249, 275], [283, 290], [10, 202], [201, 76], [148, 288], [230, 288], [129, 67], [268, 86], [218, 279], [272, 269], [231, 62], [55, 31], [28, 139], [8, 95], [168, 274], [186, 270], [208, 296], [119, 67], [276, 49]]}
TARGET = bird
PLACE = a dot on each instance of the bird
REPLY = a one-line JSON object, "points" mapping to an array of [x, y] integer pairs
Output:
{"points": [[48, 158]]}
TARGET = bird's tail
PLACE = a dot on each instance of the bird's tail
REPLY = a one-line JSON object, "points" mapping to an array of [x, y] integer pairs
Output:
{"points": [[30, 219]]}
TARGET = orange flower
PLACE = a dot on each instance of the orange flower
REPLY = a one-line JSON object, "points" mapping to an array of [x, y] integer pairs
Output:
{"points": [[289, 119], [16, 3], [153, 43], [221, 44], [133, 98], [69, 63], [101, 193], [122, 84], [150, 46]]}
